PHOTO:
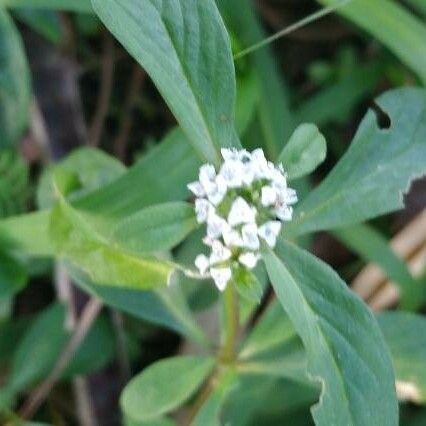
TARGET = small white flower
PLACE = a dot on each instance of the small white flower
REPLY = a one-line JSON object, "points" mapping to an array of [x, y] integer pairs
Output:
{"points": [[241, 212], [269, 231], [269, 196], [197, 189], [202, 263], [215, 225], [249, 234], [279, 180], [289, 196], [284, 212], [219, 253], [207, 177], [232, 173], [217, 191], [231, 237], [234, 229], [229, 154], [248, 259], [221, 277], [202, 209]]}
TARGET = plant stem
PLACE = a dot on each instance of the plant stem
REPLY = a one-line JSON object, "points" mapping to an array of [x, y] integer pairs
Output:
{"points": [[231, 323], [227, 353]]}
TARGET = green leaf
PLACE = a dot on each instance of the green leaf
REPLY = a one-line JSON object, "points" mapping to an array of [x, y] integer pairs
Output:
{"points": [[393, 25], [164, 386], [155, 228], [377, 168], [13, 183], [259, 397], [28, 232], [13, 276], [173, 159], [304, 152], [273, 329], [345, 349], [165, 307], [373, 247], [184, 47], [276, 119], [11, 332], [14, 83], [86, 169], [405, 334], [39, 348], [76, 239], [69, 5], [45, 22]]}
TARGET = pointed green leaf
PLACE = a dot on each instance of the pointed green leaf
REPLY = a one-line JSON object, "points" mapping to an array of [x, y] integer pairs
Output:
{"points": [[39, 348], [405, 334], [184, 47], [14, 83], [304, 152], [173, 159], [13, 182], [345, 349], [76, 239], [165, 306], [155, 228], [87, 168], [375, 171], [164, 386]]}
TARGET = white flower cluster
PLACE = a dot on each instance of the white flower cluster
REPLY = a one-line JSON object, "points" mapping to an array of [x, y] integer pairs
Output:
{"points": [[243, 202]]}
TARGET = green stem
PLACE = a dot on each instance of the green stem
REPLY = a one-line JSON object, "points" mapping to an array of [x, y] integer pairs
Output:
{"points": [[231, 323]]}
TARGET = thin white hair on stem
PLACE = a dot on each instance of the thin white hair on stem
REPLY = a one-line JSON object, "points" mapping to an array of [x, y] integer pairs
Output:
{"points": [[297, 25]]}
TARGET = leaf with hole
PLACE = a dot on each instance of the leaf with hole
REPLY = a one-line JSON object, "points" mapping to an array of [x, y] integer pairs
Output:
{"points": [[376, 170]]}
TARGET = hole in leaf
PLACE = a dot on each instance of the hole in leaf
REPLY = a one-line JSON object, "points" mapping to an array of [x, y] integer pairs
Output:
{"points": [[383, 120]]}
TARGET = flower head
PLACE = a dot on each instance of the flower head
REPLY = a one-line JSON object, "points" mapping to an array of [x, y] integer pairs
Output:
{"points": [[242, 203]]}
